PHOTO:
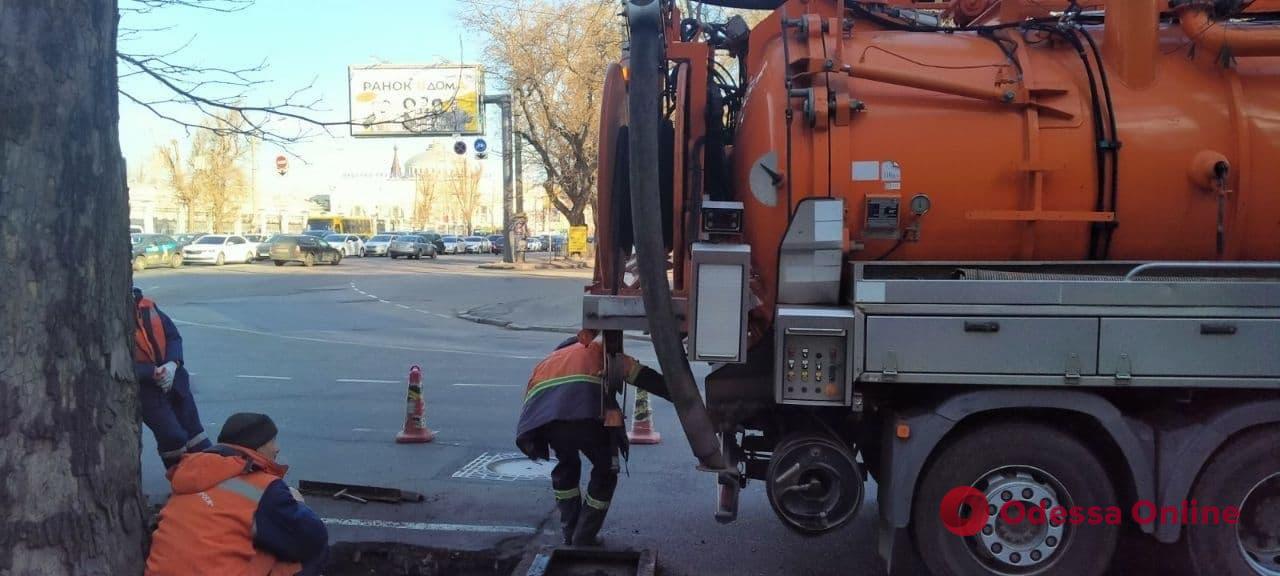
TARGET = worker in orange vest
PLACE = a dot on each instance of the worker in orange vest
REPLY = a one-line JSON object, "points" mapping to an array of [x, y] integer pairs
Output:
{"points": [[168, 408], [232, 514], [567, 409]]}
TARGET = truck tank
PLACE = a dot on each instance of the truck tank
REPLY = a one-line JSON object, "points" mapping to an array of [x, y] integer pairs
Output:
{"points": [[1016, 142]]}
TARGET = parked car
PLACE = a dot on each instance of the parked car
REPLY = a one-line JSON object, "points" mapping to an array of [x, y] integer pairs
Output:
{"points": [[533, 244], [349, 244], [377, 246], [476, 244], [411, 246], [185, 239], [264, 247], [454, 245], [253, 240], [154, 250], [220, 249], [135, 230], [555, 242], [316, 233], [497, 243], [306, 249], [433, 238]]}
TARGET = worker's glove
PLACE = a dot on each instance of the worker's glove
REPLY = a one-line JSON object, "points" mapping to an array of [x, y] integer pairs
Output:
{"points": [[631, 369], [165, 375]]}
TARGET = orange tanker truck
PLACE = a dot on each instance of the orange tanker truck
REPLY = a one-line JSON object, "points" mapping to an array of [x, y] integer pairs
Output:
{"points": [[1015, 261]]}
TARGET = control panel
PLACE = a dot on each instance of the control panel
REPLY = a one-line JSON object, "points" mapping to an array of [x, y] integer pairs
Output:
{"points": [[814, 347], [882, 217]]}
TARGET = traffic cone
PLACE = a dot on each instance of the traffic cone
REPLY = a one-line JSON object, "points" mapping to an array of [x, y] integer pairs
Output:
{"points": [[642, 431], [415, 418]]}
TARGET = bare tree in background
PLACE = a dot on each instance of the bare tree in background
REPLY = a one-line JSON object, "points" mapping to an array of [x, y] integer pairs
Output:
{"points": [[552, 56], [464, 191], [178, 177], [425, 184], [212, 177]]}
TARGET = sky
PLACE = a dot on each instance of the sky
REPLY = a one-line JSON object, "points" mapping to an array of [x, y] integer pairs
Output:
{"points": [[303, 42]]}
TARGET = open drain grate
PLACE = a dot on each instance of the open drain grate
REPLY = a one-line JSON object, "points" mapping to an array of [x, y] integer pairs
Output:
{"points": [[506, 467]]}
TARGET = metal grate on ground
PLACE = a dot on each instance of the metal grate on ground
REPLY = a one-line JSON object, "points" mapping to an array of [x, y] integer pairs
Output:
{"points": [[506, 467]]}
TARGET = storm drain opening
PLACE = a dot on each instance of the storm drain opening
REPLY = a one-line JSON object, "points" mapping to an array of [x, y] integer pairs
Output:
{"points": [[506, 467]]}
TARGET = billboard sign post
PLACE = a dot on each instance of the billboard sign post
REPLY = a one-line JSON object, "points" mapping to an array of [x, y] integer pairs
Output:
{"points": [[407, 100]]}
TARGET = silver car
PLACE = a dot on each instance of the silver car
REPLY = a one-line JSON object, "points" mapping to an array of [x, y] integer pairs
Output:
{"points": [[411, 246], [348, 244], [378, 245]]}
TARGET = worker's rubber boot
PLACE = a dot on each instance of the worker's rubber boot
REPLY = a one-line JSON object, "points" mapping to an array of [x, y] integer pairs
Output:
{"points": [[589, 524], [570, 510]]}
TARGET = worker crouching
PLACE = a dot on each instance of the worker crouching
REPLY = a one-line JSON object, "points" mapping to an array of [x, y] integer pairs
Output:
{"points": [[567, 409], [232, 513]]}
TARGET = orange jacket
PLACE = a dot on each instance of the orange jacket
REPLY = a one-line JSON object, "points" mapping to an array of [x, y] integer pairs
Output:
{"points": [[207, 527], [148, 335]]}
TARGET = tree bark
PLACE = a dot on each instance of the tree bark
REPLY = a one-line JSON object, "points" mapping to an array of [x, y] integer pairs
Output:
{"points": [[70, 501]]}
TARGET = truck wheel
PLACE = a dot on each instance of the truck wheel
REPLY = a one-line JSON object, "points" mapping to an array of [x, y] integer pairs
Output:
{"points": [[1245, 473], [1018, 470]]}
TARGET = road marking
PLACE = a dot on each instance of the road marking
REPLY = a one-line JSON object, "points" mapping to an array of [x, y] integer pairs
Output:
{"points": [[380, 346], [437, 315], [430, 526], [260, 377], [367, 381], [469, 385], [372, 296], [383, 301], [362, 430], [402, 306]]}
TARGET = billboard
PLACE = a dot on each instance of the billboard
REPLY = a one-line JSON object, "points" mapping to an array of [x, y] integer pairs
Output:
{"points": [[412, 100]]}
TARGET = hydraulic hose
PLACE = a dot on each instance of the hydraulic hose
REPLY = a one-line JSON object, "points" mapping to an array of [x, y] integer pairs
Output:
{"points": [[745, 4], [648, 68]]}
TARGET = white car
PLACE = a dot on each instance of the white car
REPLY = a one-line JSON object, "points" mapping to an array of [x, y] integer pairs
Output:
{"points": [[454, 245], [377, 246], [219, 249], [348, 244], [476, 244], [533, 244], [255, 241]]}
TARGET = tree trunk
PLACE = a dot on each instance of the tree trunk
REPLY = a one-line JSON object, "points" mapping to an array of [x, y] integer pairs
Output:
{"points": [[70, 501]]}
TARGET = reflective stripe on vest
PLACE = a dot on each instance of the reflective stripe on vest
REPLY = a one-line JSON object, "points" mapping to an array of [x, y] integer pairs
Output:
{"points": [[548, 384], [148, 336], [242, 488]]}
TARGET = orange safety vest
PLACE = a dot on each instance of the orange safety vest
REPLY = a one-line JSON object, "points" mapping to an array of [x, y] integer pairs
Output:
{"points": [[574, 364], [206, 528], [148, 335]]}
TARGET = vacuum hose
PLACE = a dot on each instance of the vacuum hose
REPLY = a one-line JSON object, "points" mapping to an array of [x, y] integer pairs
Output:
{"points": [[648, 70]]}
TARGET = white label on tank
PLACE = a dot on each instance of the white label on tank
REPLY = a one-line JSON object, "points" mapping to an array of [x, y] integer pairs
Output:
{"points": [[892, 185], [866, 171], [869, 292], [890, 171]]}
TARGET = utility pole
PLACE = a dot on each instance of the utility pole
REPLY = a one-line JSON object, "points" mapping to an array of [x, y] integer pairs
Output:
{"points": [[519, 161], [508, 190]]}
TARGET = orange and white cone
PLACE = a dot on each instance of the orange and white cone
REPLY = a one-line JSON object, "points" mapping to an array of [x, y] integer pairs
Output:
{"points": [[415, 419], [642, 431]]}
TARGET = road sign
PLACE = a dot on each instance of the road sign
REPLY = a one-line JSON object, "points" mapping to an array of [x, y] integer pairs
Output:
{"points": [[459, 147], [481, 147], [282, 164]]}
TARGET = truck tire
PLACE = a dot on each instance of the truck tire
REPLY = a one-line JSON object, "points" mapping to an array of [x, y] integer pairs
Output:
{"points": [[1245, 472], [1016, 462]]}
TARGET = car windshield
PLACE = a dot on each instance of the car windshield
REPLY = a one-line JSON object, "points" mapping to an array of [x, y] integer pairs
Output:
{"points": [[211, 240], [495, 237], [474, 239], [334, 238], [450, 238], [407, 238], [382, 238]]}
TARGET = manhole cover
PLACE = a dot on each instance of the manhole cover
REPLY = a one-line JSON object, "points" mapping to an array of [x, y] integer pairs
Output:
{"points": [[506, 467]]}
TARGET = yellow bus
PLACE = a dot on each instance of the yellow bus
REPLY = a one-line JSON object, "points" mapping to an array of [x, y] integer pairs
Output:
{"points": [[342, 225]]}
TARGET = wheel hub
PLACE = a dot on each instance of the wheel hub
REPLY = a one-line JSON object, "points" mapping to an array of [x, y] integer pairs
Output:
{"points": [[1021, 536], [1258, 532], [814, 484]]}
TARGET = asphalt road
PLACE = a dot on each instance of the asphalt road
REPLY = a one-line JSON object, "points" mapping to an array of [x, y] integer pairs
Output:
{"points": [[326, 350]]}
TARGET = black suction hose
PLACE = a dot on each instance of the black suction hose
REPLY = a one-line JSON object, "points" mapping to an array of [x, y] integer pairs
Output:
{"points": [[648, 69]]}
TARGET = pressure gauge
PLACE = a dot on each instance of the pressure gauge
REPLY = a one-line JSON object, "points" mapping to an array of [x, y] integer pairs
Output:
{"points": [[920, 204]]}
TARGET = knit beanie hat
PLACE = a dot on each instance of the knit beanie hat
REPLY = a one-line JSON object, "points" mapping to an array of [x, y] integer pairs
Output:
{"points": [[248, 429]]}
